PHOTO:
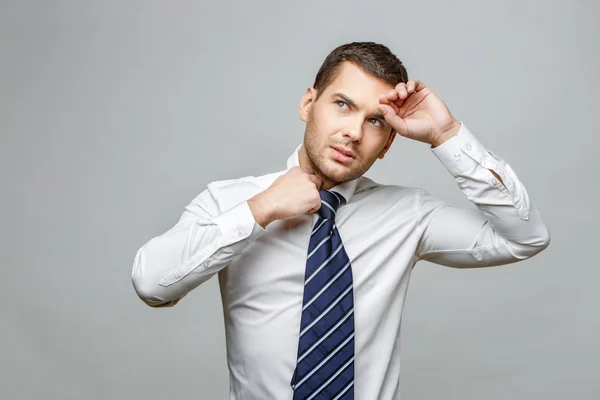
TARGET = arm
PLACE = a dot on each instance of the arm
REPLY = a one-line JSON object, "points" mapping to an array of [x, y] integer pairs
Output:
{"points": [[205, 240], [504, 228], [202, 243]]}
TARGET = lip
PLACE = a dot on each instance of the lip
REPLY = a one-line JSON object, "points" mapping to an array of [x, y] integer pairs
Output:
{"points": [[344, 151], [341, 156]]}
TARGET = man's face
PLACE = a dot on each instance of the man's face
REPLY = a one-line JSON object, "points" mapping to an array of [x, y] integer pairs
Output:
{"points": [[345, 133]]}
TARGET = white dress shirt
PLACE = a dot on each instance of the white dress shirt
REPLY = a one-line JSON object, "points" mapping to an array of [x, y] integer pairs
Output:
{"points": [[385, 229]]}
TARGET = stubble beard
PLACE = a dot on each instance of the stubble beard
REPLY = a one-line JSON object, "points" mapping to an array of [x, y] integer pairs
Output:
{"points": [[316, 157]]}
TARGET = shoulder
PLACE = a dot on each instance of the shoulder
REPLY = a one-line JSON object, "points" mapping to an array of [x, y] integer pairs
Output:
{"points": [[230, 192], [414, 197], [245, 183], [368, 187]]}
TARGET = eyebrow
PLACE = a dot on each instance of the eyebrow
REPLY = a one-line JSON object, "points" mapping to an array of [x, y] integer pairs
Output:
{"points": [[351, 102]]}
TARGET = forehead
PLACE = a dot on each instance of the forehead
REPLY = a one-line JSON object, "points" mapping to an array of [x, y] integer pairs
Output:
{"points": [[354, 82]]}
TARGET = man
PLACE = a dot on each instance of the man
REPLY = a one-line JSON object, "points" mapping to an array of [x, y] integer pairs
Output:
{"points": [[314, 261]]}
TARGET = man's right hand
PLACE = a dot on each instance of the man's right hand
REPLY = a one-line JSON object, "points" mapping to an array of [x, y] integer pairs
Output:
{"points": [[292, 194]]}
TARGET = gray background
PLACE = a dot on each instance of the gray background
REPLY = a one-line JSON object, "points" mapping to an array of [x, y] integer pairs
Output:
{"points": [[115, 114]]}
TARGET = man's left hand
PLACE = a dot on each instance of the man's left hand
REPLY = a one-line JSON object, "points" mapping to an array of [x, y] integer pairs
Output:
{"points": [[415, 112]]}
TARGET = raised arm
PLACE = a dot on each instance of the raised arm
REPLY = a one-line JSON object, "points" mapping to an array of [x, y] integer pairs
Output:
{"points": [[505, 227]]}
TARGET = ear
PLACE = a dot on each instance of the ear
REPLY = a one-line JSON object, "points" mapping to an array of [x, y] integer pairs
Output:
{"points": [[388, 145], [306, 103]]}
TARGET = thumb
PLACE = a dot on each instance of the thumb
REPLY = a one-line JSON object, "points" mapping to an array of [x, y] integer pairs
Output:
{"points": [[397, 123]]}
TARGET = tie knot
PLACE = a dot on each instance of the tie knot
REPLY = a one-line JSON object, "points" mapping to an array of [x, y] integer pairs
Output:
{"points": [[330, 201]]}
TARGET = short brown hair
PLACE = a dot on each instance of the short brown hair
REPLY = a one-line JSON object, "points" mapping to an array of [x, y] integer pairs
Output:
{"points": [[373, 58]]}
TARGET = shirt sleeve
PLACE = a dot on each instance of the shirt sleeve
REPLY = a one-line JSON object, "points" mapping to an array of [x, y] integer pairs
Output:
{"points": [[203, 242], [504, 227]]}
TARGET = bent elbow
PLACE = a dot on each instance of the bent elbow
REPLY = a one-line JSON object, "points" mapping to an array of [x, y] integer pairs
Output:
{"points": [[539, 243], [542, 241], [545, 239], [146, 286], [147, 291]]}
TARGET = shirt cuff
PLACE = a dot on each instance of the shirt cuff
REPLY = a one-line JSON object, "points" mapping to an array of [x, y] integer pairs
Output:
{"points": [[461, 152], [238, 224]]}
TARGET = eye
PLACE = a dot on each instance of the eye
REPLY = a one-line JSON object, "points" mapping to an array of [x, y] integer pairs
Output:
{"points": [[376, 122], [341, 104]]}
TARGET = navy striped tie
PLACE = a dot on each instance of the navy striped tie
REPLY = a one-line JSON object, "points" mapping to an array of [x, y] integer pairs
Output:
{"points": [[325, 362]]}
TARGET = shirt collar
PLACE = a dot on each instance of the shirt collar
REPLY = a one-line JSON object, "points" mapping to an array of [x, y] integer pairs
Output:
{"points": [[346, 189]]}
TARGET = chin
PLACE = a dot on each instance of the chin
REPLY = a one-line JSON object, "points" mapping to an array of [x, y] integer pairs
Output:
{"points": [[331, 169], [336, 172]]}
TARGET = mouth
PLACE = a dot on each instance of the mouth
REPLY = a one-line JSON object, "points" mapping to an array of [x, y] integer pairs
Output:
{"points": [[344, 151], [342, 154]]}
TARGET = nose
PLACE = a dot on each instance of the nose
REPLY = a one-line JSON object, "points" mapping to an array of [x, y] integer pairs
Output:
{"points": [[353, 130]]}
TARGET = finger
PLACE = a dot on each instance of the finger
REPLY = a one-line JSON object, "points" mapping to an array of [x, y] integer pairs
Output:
{"points": [[393, 104], [392, 118], [411, 85], [418, 85], [392, 95], [400, 102], [420, 93], [388, 97], [314, 209], [402, 90], [317, 202], [316, 180]]}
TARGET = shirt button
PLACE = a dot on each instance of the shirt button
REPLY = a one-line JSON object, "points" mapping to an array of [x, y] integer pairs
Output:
{"points": [[457, 156], [240, 232], [469, 147]]}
